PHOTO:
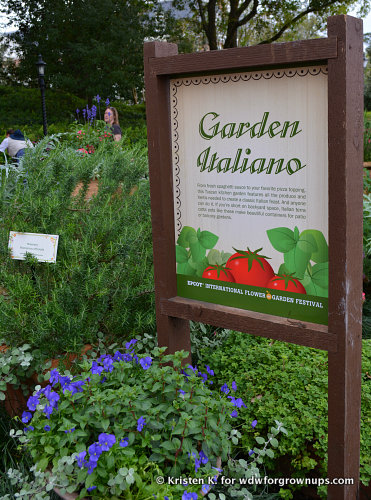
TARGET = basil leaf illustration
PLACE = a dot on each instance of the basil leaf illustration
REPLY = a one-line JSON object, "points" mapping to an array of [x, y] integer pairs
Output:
{"points": [[282, 239], [207, 239], [225, 257], [321, 254], [181, 254], [186, 235], [198, 251], [320, 275], [214, 257], [296, 261], [283, 270], [185, 269], [312, 288], [307, 244]]}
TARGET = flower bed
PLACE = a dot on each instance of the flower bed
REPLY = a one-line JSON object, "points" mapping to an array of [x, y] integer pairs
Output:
{"points": [[126, 423]]}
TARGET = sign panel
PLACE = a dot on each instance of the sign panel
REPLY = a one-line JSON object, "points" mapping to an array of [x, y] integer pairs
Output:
{"points": [[42, 246], [250, 176]]}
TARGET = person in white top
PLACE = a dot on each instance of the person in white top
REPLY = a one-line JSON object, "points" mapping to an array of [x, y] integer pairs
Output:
{"points": [[4, 144], [17, 145]]}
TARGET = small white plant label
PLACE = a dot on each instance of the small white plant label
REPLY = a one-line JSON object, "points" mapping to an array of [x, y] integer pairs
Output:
{"points": [[41, 246]]}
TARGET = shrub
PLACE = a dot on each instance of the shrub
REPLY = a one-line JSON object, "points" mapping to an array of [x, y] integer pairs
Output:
{"points": [[288, 382], [103, 279]]}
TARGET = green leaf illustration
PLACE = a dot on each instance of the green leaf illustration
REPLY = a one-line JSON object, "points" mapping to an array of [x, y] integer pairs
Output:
{"points": [[307, 244], [311, 287], [225, 257], [207, 239], [282, 239], [198, 251], [321, 254], [283, 270], [320, 275], [181, 254], [185, 269], [297, 260], [187, 235], [214, 257]]}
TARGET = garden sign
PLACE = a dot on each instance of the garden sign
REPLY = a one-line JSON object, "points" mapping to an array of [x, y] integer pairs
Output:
{"points": [[256, 188]]}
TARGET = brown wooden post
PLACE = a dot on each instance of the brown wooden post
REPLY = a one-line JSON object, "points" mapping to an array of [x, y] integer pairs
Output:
{"points": [[171, 332], [345, 95]]}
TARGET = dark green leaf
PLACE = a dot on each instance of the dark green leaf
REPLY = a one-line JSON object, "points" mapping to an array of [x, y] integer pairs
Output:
{"points": [[282, 239], [181, 254], [198, 252], [321, 254], [186, 234], [207, 239]]}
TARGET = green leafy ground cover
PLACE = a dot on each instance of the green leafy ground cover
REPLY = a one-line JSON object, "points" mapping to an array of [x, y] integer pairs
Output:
{"points": [[287, 382]]}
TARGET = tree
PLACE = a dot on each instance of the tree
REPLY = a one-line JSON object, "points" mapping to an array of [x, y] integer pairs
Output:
{"points": [[230, 23], [90, 47]]}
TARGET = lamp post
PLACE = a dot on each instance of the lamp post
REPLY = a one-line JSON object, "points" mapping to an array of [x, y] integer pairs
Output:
{"points": [[41, 70]]}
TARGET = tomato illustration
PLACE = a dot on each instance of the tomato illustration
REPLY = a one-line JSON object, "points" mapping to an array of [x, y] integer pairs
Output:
{"points": [[250, 268], [286, 283], [220, 273]]}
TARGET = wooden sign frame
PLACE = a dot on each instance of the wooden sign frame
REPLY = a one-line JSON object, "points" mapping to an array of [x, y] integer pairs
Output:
{"points": [[342, 52]]}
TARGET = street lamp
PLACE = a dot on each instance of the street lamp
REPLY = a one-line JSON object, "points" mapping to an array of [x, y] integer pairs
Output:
{"points": [[41, 70]]}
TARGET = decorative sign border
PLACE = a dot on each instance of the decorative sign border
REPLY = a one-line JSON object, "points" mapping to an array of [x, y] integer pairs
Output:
{"points": [[34, 240]]}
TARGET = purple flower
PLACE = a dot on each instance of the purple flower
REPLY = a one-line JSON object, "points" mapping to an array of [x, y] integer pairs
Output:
{"points": [[107, 102], [253, 423], [53, 398], [127, 358], [84, 112], [47, 428], [224, 388], [108, 365], [54, 375], [193, 368], [237, 402], [48, 410], [106, 441], [69, 431], [98, 98], [209, 370], [189, 496], [92, 465], [65, 382], [95, 451], [118, 356], [81, 462], [103, 380], [124, 442], [32, 402], [93, 111], [205, 488], [30, 428], [26, 417], [197, 464], [251, 452], [77, 386], [141, 423], [77, 111], [203, 457], [145, 363], [96, 369], [181, 392], [234, 386], [91, 488], [234, 414], [132, 341]]}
